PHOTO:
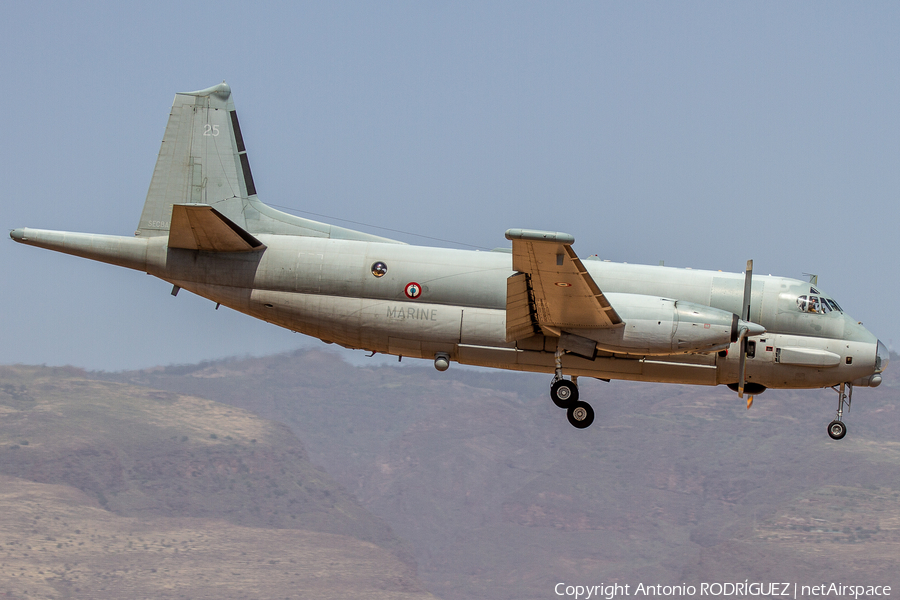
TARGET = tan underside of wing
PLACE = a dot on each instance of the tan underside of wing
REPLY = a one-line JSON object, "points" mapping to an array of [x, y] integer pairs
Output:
{"points": [[552, 291]]}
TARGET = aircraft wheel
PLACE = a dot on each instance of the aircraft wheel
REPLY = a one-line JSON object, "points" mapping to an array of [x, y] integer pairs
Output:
{"points": [[564, 393], [837, 429], [580, 415]]}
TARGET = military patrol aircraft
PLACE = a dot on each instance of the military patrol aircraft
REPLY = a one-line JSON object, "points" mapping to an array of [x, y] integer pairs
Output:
{"points": [[536, 307]]}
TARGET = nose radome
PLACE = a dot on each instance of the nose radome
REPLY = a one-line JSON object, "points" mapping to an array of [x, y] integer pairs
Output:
{"points": [[882, 357]]}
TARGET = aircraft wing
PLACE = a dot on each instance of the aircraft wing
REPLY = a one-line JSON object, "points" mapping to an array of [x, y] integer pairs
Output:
{"points": [[551, 289]]}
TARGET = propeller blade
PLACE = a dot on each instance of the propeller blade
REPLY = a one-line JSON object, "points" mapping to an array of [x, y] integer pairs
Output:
{"points": [[745, 316], [743, 361], [745, 307]]}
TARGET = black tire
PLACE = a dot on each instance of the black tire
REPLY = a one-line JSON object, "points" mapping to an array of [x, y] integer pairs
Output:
{"points": [[837, 429], [564, 393], [580, 415]]}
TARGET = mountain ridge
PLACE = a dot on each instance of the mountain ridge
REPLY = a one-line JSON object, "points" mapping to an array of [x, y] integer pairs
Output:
{"points": [[501, 498]]}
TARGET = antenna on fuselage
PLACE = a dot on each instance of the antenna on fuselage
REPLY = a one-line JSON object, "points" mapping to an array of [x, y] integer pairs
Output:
{"points": [[813, 278]]}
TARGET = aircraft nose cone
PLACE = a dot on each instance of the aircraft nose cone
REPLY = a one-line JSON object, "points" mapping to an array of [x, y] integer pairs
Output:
{"points": [[17, 234], [882, 357]]}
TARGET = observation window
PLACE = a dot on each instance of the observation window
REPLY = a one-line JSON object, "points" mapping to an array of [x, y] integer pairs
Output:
{"points": [[379, 269]]}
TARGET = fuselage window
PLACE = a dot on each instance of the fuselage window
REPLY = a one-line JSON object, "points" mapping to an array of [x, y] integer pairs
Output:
{"points": [[379, 269]]}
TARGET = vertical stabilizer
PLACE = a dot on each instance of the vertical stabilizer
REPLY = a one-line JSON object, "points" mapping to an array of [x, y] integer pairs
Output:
{"points": [[203, 160]]}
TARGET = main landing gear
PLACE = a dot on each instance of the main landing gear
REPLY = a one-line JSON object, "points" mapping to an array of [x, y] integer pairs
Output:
{"points": [[564, 393], [837, 429]]}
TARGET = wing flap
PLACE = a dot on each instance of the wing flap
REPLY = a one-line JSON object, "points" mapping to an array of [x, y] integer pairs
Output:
{"points": [[521, 318], [202, 227], [562, 293]]}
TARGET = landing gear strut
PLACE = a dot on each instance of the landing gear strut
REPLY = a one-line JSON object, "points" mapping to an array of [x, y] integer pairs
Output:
{"points": [[837, 429], [564, 393]]}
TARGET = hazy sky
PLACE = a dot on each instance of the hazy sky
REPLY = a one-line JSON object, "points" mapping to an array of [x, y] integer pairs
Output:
{"points": [[701, 134]]}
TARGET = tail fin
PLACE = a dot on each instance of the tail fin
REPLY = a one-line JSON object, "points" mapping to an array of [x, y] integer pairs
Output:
{"points": [[203, 160]]}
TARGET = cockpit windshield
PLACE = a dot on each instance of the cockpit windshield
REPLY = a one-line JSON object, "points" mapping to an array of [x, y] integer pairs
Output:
{"points": [[817, 304]]}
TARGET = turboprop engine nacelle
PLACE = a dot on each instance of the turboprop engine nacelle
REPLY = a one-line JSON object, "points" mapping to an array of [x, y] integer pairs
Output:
{"points": [[655, 326]]}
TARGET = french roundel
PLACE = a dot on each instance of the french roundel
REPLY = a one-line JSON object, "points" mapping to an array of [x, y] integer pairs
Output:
{"points": [[413, 290]]}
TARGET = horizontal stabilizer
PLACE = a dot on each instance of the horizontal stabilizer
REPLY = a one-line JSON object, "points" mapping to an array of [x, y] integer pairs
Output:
{"points": [[201, 227]]}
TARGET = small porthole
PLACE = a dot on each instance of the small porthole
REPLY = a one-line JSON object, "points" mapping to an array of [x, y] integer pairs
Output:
{"points": [[269, 305], [379, 269], [849, 360]]}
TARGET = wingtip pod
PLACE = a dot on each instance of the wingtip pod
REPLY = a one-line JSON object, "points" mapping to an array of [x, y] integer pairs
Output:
{"points": [[222, 90], [533, 235]]}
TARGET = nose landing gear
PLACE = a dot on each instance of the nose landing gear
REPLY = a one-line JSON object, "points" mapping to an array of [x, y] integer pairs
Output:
{"points": [[837, 429]]}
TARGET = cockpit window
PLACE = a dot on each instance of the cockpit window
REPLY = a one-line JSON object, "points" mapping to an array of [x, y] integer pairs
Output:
{"points": [[817, 305], [813, 305]]}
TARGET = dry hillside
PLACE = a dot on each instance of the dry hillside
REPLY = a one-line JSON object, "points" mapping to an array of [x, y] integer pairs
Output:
{"points": [[501, 498], [113, 491]]}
